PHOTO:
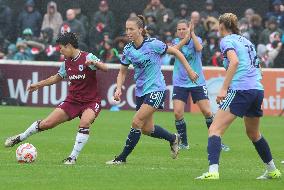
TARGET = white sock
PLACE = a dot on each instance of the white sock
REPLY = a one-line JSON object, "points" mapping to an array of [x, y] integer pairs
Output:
{"points": [[270, 166], [213, 168], [30, 131], [81, 140]]}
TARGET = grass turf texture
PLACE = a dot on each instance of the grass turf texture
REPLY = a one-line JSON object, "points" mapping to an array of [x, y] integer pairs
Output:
{"points": [[149, 166]]}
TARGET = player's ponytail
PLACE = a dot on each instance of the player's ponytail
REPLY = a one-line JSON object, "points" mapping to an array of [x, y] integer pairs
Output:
{"points": [[140, 21], [230, 22]]}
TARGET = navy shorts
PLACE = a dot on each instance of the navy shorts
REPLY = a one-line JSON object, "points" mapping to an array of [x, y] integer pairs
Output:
{"points": [[197, 93], [244, 102], [154, 99]]}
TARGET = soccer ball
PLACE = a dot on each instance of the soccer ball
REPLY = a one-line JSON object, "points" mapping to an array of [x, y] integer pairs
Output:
{"points": [[26, 153]]}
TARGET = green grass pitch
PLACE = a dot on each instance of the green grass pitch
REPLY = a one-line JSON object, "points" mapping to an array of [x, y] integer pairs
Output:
{"points": [[149, 166]]}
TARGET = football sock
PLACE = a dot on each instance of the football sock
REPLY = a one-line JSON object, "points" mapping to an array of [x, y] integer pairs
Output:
{"points": [[264, 153], [214, 150], [81, 139], [34, 128], [162, 133], [209, 121], [181, 129], [132, 140]]}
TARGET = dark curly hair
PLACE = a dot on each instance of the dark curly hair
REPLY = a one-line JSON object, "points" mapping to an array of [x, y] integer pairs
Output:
{"points": [[68, 38]]}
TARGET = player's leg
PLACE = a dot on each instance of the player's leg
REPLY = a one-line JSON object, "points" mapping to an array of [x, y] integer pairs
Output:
{"points": [[204, 106], [180, 96], [87, 118], [221, 122], [157, 131], [56, 117]]}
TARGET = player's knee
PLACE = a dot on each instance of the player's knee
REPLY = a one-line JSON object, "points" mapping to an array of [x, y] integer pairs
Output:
{"points": [[137, 123], [253, 135], [213, 130], [178, 114], [206, 113], [46, 124]]}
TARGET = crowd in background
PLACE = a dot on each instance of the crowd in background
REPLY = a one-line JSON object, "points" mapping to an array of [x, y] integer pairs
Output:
{"points": [[37, 33]]}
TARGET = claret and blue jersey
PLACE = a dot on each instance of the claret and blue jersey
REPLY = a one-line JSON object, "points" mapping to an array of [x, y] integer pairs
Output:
{"points": [[146, 60], [248, 74]]}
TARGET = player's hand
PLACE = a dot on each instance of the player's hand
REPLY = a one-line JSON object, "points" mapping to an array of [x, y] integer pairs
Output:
{"points": [[33, 87], [221, 96], [117, 95], [191, 28], [193, 76]]}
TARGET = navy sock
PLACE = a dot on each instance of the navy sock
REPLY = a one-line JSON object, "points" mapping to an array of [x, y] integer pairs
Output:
{"points": [[162, 133], [181, 129], [263, 150], [214, 149], [132, 140], [209, 121]]}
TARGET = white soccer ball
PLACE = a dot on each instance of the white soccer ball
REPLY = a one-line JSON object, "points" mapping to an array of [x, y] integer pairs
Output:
{"points": [[26, 153]]}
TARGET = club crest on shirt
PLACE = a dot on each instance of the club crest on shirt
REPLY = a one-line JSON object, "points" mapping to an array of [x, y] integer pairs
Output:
{"points": [[81, 67]]}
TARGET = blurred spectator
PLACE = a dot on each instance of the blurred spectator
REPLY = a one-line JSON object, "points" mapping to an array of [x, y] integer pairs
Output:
{"points": [[262, 54], [255, 28], [5, 19], [211, 24], [154, 7], [74, 25], [244, 28], [102, 21], [248, 14], [29, 18], [51, 49], [211, 52], [12, 49], [23, 52], [277, 12], [3, 46], [166, 22], [272, 26], [182, 14], [81, 17], [198, 26], [52, 19], [273, 47], [209, 11], [108, 53]]}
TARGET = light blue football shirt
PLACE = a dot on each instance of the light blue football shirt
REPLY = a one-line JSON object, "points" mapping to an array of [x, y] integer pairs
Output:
{"points": [[180, 76], [248, 74], [146, 60]]}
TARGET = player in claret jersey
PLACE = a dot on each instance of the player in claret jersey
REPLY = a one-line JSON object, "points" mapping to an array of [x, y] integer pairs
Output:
{"points": [[83, 98]]}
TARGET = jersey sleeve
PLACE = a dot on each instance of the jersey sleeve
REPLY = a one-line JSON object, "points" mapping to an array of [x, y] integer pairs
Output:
{"points": [[124, 60], [62, 71], [159, 47], [225, 46], [92, 57]]}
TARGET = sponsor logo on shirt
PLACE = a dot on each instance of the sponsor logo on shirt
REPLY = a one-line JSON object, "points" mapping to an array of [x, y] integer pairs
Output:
{"points": [[77, 77]]}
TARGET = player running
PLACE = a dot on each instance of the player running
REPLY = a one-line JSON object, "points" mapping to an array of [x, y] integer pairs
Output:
{"points": [[240, 96], [83, 98], [191, 46], [145, 55]]}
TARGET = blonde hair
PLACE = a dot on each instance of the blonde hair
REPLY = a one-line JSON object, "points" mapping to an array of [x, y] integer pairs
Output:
{"points": [[140, 22], [230, 21]]}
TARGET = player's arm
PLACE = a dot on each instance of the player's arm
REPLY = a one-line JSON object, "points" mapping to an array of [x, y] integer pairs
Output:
{"points": [[120, 81], [234, 62], [197, 45], [182, 42], [47, 82], [192, 75], [98, 64]]}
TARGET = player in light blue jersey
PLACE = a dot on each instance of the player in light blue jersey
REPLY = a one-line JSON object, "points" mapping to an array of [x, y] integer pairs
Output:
{"points": [[145, 55], [240, 96], [191, 46]]}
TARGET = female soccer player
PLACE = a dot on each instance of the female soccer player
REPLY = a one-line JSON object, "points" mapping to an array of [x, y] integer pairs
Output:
{"points": [[83, 99], [145, 55], [191, 47], [240, 96]]}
